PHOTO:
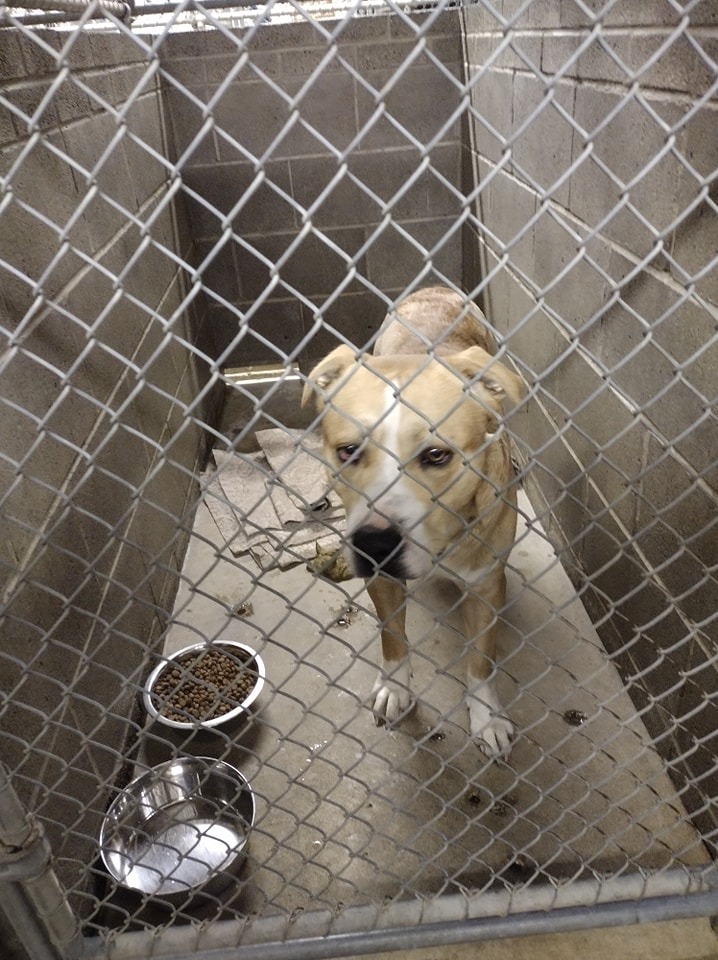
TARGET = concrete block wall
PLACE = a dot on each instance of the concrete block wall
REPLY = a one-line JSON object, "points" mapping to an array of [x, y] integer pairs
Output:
{"points": [[296, 125], [93, 522], [602, 204]]}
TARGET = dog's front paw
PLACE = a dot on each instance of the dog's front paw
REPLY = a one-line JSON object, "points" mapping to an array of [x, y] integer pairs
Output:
{"points": [[391, 697], [491, 731]]}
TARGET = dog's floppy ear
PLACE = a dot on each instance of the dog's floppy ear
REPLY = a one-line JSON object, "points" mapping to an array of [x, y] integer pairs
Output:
{"points": [[326, 372], [498, 379]]}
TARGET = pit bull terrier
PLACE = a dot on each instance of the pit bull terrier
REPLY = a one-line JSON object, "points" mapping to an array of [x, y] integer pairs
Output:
{"points": [[413, 436]]}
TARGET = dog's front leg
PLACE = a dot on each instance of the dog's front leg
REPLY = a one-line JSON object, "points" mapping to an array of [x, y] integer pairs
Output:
{"points": [[391, 695], [491, 730]]}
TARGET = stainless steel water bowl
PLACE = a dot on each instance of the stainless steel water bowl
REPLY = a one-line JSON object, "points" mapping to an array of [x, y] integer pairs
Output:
{"points": [[179, 828], [173, 681]]}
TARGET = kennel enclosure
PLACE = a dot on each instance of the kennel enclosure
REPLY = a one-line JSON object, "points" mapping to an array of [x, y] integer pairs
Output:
{"points": [[199, 202]]}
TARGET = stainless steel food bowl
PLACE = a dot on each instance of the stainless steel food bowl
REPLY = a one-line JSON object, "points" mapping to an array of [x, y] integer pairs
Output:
{"points": [[254, 665], [179, 828]]}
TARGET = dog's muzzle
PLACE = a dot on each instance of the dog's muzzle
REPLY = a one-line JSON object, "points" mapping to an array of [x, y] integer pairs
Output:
{"points": [[378, 550]]}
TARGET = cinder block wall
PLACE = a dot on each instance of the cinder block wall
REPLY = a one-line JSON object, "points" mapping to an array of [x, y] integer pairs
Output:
{"points": [[601, 306], [302, 164], [93, 521]]}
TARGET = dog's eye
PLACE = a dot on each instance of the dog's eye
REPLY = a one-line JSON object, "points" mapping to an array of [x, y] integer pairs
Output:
{"points": [[349, 453], [435, 457]]}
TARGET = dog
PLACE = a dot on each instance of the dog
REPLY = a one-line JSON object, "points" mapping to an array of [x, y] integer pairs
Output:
{"points": [[414, 440]]}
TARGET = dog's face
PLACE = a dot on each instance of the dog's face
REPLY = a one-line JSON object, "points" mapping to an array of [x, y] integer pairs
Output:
{"points": [[409, 442]]}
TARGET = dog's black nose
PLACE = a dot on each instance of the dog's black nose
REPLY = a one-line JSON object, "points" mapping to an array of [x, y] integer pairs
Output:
{"points": [[378, 550]]}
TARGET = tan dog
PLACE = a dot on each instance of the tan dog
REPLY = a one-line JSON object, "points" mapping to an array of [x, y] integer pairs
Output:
{"points": [[413, 436]]}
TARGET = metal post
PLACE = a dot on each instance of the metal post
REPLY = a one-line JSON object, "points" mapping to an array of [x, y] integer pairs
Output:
{"points": [[33, 898]]}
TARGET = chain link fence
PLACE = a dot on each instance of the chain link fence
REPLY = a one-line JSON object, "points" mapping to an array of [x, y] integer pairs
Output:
{"points": [[199, 203]]}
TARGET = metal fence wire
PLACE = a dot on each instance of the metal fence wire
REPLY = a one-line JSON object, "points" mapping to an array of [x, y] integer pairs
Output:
{"points": [[202, 202]]}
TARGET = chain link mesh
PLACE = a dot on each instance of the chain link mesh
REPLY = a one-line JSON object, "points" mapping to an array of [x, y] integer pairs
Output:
{"points": [[197, 206]]}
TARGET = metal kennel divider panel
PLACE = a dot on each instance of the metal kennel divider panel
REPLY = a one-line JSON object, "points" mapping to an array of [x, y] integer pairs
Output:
{"points": [[200, 201]]}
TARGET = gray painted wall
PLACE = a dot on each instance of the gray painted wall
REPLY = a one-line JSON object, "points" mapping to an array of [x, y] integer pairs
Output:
{"points": [[601, 310], [338, 142], [94, 519]]}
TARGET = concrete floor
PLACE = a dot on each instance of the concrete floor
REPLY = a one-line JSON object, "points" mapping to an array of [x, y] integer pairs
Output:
{"points": [[350, 814], [354, 816], [671, 940]]}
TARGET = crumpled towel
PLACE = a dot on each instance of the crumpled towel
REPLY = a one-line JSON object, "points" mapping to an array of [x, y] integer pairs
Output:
{"points": [[263, 502]]}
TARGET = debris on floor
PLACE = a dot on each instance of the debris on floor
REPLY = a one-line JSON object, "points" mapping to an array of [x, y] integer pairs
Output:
{"points": [[273, 503], [331, 564]]}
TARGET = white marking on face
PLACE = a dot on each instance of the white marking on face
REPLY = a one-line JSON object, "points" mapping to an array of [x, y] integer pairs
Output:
{"points": [[390, 460], [383, 500], [390, 498]]}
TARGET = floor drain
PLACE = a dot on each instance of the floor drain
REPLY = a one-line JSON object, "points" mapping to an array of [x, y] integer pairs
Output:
{"points": [[243, 609], [575, 717], [347, 617]]}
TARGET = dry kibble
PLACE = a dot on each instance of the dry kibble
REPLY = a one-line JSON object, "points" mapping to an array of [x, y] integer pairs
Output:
{"points": [[204, 684]]}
